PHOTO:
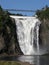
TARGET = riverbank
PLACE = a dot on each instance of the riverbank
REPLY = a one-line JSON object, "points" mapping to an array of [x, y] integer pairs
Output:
{"points": [[6, 59], [13, 63]]}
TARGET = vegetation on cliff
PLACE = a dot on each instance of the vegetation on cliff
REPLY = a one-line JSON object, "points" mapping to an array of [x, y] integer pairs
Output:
{"points": [[8, 36], [43, 16], [43, 13]]}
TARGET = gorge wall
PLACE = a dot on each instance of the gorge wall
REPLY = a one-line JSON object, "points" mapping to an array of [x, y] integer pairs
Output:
{"points": [[9, 43], [8, 38], [44, 33]]}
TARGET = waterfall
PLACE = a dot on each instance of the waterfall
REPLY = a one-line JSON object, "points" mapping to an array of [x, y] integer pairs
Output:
{"points": [[28, 34], [37, 28], [38, 39]]}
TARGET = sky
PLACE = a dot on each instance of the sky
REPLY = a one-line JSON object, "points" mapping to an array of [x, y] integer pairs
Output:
{"points": [[24, 4]]}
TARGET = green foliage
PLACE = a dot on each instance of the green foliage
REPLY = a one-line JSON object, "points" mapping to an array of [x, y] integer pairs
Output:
{"points": [[7, 27], [5, 19], [8, 33], [44, 13]]}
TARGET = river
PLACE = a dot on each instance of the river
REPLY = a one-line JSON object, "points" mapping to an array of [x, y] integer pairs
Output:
{"points": [[36, 59]]}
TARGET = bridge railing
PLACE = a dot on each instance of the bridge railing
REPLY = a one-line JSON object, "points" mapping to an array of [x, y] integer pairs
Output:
{"points": [[19, 10]]}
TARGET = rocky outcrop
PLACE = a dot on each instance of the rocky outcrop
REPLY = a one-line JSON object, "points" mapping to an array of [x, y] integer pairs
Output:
{"points": [[8, 38], [44, 33], [43, 16], [1, 42]]}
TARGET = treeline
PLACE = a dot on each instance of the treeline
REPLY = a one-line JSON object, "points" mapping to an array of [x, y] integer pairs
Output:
{"points": [[43, 13]]}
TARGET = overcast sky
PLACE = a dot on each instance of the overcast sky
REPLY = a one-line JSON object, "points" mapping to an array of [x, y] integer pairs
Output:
{"points": [[24, 4]]}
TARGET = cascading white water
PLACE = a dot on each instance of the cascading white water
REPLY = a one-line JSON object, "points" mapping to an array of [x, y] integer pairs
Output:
{"points": [[38, 39], [27, 32], [37, 32]]}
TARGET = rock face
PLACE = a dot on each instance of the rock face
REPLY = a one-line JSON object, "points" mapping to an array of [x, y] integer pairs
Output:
{"points": [[43, 15], [44, 33], [1, 42], [8, 38]]}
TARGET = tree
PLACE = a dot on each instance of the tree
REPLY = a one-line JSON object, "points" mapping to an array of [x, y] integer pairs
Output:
{"points": [[43, 13]]}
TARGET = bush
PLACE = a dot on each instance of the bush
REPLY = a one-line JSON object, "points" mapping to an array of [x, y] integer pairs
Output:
{"points": [[43, 13]]}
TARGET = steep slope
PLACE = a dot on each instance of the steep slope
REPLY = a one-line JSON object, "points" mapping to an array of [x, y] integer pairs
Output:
{"points": [[8, 37]]}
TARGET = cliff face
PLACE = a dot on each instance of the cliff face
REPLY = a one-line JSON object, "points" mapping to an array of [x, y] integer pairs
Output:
{"points": [[44, 33], [8, 38], [43, 16]]}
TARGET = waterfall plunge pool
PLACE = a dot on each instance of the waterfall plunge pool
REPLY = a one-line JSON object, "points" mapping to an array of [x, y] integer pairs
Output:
{"points": [[36, 59]]}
